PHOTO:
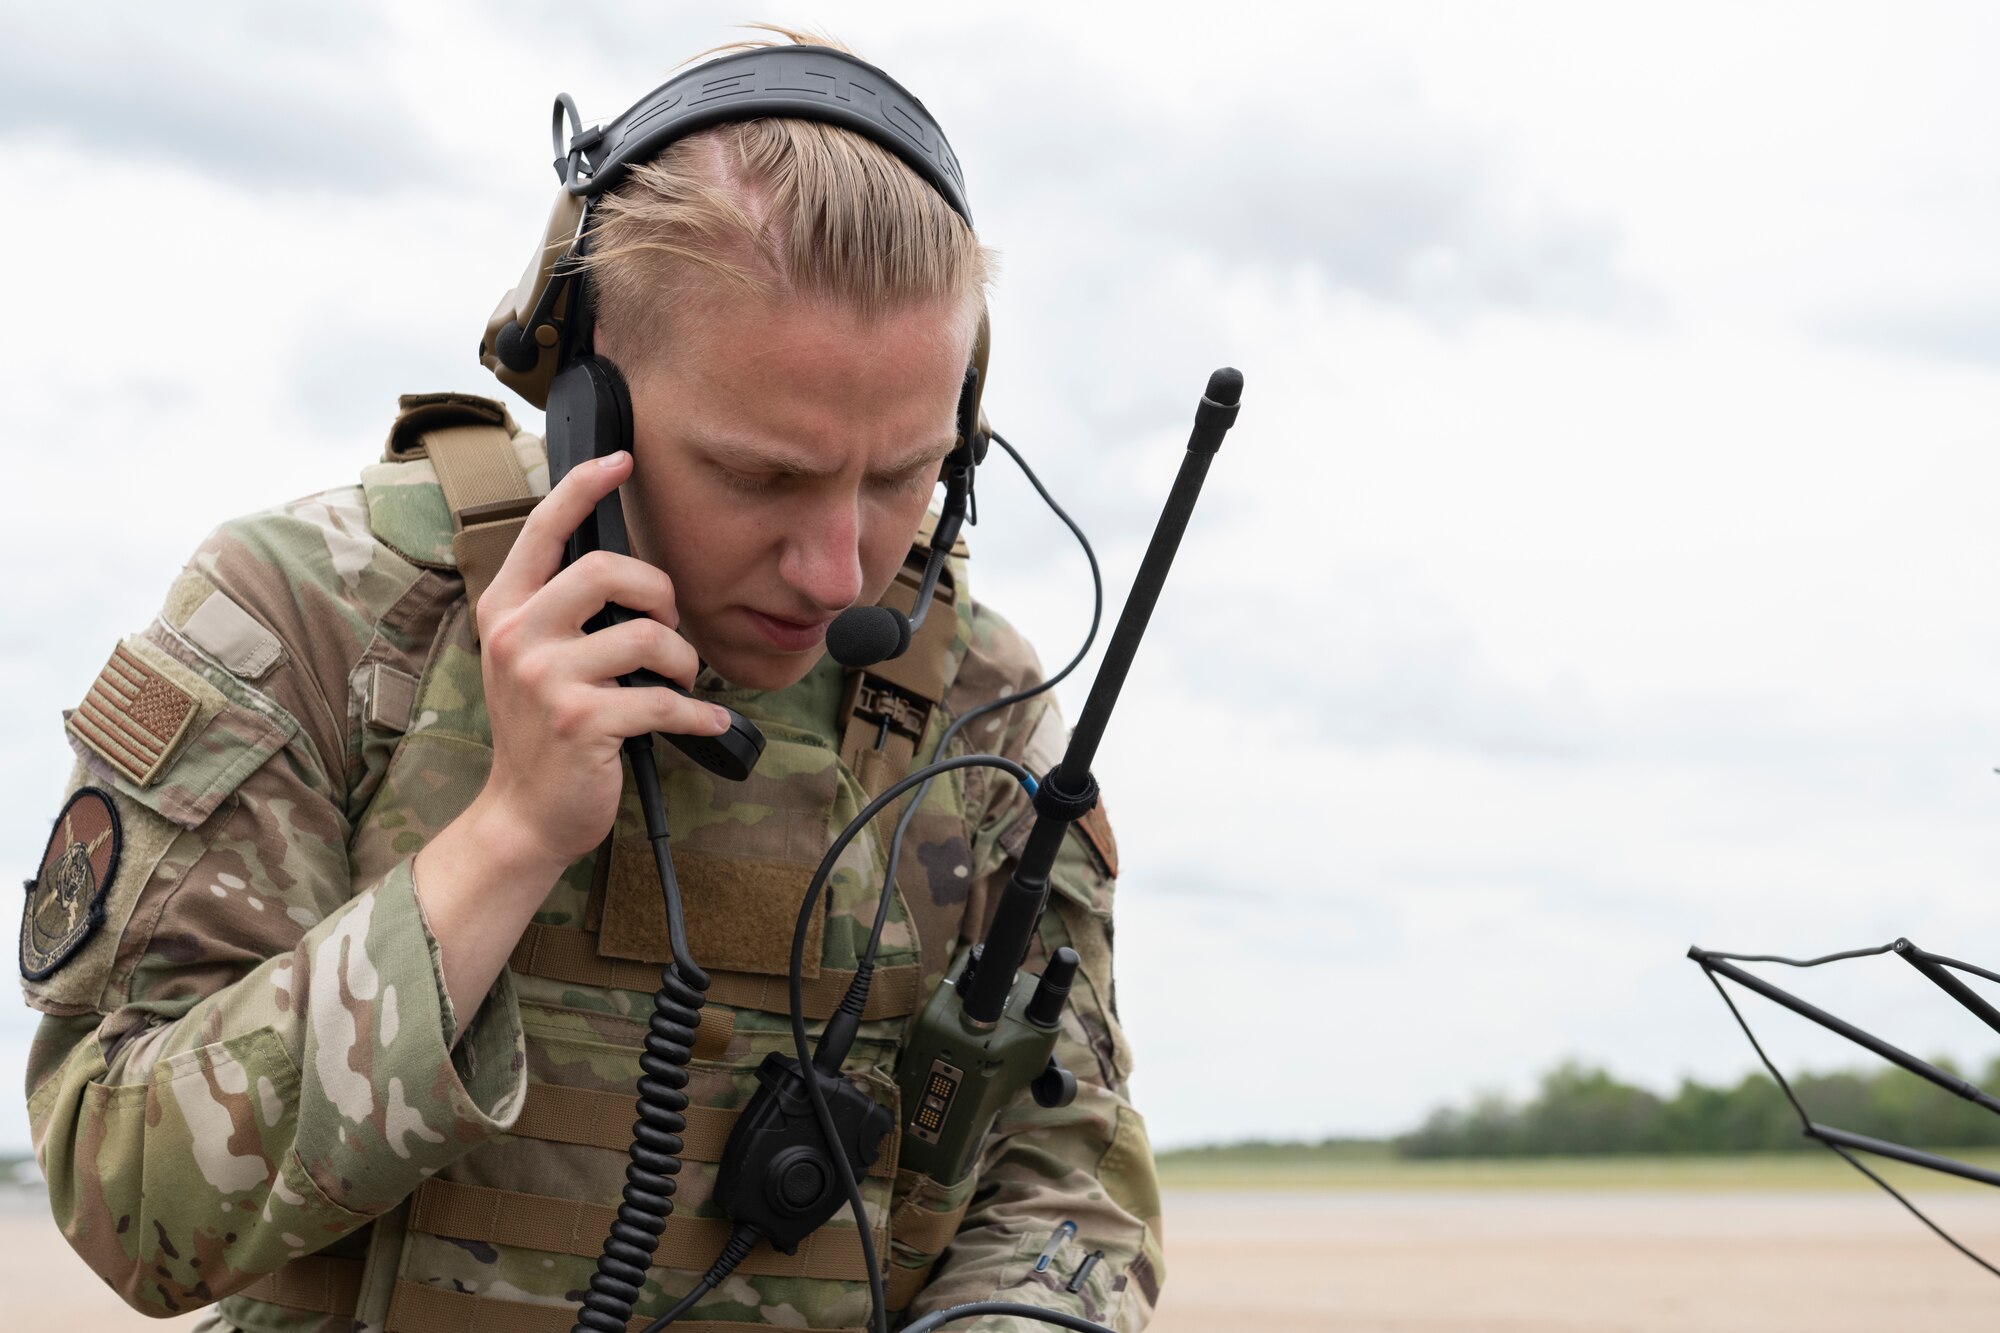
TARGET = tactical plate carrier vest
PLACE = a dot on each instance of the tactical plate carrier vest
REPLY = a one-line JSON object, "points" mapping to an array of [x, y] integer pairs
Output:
{"points": [[528, 1211]]}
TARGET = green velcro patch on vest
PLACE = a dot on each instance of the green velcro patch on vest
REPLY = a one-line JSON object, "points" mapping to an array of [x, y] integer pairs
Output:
{"points": [[407, 510], [740, 910]]}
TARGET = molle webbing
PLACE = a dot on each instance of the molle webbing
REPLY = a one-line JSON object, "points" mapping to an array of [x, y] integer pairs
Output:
{"points": [[563, 1226], [317, 1282], [562, 953], [417, 1308], [489, 498], [556, 1114], [328, 1286]]}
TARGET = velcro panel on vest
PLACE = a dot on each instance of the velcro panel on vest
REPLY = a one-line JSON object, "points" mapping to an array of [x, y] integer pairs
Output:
{"points": [[888, 705], [316, 1282], [744, 854], [488, 495], [553, 1113], [740, 910], [563, 953], [565, 1226], [418, 1308]]}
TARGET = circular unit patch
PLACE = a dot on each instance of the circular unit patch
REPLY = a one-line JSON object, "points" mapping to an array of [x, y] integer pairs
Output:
{"points": [[66, 898]]}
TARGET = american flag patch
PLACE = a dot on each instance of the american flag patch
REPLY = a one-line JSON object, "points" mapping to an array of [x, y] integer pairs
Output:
{"points": [[134, 717]]}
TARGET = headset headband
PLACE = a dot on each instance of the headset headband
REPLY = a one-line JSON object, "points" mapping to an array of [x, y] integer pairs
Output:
{"points": [[523, 338], [802, 83]]}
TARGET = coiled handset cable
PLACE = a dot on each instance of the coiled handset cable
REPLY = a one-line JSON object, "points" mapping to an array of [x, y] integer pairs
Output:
{"points": [[650, 1174]]}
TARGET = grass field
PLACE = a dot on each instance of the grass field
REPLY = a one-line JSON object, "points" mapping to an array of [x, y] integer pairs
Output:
{"points": [[1367, 1166]]}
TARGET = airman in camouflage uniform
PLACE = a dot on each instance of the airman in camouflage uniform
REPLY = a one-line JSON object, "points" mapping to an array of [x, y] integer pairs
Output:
{"points": [[251, 1087]]}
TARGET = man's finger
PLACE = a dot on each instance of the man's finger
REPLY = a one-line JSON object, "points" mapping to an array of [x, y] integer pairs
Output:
{"points": [[538, 550]]}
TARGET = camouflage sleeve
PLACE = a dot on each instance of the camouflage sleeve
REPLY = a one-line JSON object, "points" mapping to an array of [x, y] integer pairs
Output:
{"points": [[244, 1054], [1089, 1162]]}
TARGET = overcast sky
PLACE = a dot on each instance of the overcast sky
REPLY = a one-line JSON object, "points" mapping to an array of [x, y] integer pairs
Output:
{"points": [[1604, 560]]}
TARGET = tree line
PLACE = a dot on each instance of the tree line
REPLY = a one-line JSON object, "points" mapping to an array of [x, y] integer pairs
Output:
{"points": [[1579, 1110]]}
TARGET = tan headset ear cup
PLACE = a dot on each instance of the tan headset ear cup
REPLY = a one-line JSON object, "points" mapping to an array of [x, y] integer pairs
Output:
{"points": [[518, 305]]}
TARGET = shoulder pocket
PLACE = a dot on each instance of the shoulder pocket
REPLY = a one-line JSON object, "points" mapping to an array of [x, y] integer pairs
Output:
{"points": [[159, 745], [157, 730]]}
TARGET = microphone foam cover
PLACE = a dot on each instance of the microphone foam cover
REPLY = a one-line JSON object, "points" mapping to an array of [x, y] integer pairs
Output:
{"points": [[864, 635]]}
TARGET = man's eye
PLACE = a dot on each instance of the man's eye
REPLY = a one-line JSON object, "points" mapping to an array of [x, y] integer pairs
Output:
{"points": [[745, 483], [920, 478]]}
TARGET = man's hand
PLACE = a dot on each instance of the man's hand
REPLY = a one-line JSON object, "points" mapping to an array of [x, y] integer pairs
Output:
{"points": [[552, 695], [558, 717]]}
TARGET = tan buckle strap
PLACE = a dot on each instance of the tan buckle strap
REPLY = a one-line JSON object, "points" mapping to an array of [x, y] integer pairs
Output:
{"points": [[564, 953], [564, 1226], [418, 1308], [318, 1283], [553, 1113], [487, 492]]}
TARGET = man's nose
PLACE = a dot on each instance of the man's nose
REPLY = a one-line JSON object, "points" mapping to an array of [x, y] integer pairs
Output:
{"points": [[822, 558]]}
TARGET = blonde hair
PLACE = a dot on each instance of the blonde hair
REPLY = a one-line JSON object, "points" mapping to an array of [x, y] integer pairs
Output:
{"points": [[778, 207]]}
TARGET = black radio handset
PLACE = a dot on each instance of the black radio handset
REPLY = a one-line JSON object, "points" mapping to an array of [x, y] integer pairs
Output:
{"points": [[589, 417]]}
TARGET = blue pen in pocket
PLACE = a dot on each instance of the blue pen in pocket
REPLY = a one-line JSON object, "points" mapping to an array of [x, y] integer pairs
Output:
{"points": [[1056, 1238]]}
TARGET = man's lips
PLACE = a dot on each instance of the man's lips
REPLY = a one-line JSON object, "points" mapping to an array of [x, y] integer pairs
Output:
{"points": [[790, 636]]}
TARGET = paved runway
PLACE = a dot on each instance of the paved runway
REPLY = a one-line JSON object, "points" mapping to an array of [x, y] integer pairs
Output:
{"points": [[1429, 1261]]}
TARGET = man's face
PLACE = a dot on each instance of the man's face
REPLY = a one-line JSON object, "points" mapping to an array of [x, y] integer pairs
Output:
{"points": [[784, 454]]}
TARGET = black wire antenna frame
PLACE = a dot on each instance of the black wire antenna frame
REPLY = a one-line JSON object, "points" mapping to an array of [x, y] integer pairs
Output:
{"points": [[1935, 968]]}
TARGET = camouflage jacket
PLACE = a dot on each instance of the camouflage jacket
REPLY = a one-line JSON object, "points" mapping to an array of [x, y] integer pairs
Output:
{"points": [[244, 1088]]}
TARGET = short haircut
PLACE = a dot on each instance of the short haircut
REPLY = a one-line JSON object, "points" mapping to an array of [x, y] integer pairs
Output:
{"points": [[779, 208]]}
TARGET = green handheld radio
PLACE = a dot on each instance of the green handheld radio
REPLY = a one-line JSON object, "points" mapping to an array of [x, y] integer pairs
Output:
{"points": [[990, 1029]]}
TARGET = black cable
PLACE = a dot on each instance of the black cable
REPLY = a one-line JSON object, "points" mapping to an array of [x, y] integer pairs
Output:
{"points": [[1805, 1120], [857, 992], [1005, 701], [856, 997], [1915, 1212], [1955, 963], [858, 989], [1802, 962], [821, 1111], [742, 1240], [648, 1216], [939, 1318]]}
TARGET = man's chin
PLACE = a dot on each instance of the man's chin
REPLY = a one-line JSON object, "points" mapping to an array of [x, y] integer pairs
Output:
{"points": [[765, 670]]}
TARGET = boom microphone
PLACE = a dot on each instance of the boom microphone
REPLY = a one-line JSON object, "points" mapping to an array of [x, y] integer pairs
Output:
{"points": [[861, 636]]}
